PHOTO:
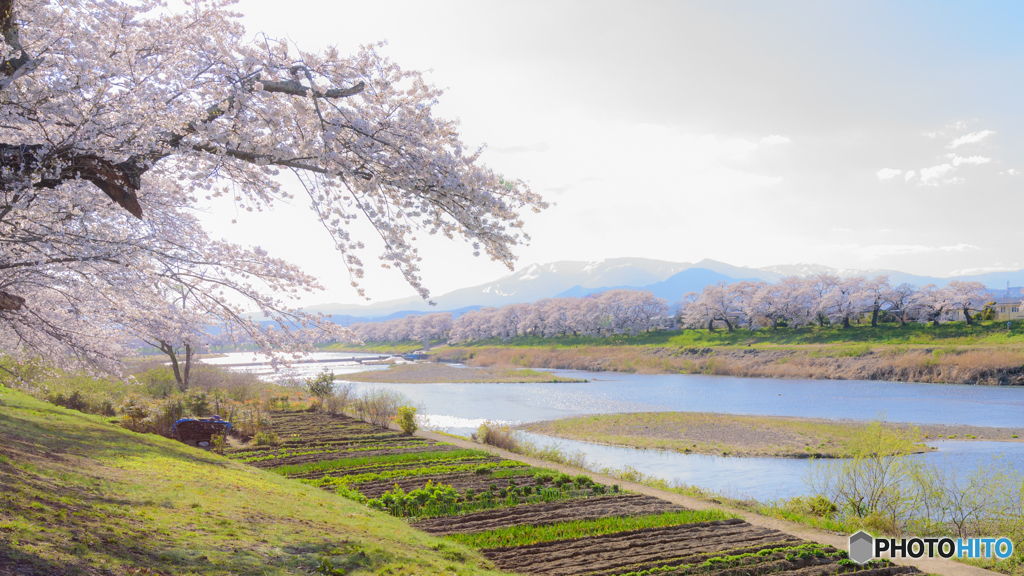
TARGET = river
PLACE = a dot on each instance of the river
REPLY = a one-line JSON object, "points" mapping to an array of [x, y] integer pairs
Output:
{"points": [[461, 408]]}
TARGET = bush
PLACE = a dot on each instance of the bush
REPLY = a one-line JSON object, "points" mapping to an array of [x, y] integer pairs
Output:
{"points": [[336, 401], [499, 436], [379, 406], [73, 401], [266, 439], [198, 404], [159, 381], [321, 385], [407, 419], [133, 411]]}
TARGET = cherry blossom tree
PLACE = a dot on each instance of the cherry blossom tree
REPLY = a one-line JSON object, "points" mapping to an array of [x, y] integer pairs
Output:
{"points": [[900, 299], [875, 293], [154, 111], [968, 297]]}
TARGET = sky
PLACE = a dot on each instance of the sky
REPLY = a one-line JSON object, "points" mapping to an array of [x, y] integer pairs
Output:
{"points": [[863, 135]]}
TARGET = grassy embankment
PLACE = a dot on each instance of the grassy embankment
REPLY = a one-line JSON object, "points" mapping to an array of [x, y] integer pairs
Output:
{"points": [[427, 373], [80, 495], [737, 435], [719, 434], [985, 353]]}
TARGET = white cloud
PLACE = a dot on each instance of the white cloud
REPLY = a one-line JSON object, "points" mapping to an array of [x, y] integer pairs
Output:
{"points": [[931, 175], [875, 251], [1011, 172], [888, 173], [775, 139], [958, 160], [970, 138], [910, 174]]}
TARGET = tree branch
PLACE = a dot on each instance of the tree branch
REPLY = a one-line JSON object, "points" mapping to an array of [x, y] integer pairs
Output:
{"points": [[294, 88]]}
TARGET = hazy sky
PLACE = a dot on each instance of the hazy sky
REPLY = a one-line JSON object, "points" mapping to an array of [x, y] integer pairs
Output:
{"points": [[854, 135]]}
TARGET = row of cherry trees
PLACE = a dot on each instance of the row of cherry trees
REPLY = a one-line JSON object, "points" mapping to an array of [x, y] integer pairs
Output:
{"points": [[612, 312], [826, 299], [425, 328], [822, 300]]}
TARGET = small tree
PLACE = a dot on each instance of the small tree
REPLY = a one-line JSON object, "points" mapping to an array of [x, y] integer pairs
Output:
{"points": [[407, 419], [321, 385]]}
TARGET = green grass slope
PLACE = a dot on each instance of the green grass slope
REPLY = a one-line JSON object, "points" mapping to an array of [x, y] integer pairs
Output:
{"points": [[81, 496]]}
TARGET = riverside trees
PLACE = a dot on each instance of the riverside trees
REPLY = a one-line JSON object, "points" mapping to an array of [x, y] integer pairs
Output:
{"points": [[118, 119], [823, 299]]}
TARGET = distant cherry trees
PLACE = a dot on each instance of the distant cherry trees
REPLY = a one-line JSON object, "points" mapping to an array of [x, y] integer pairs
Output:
{"points": [[426, 327], [611, 312], [822, 300], [825, 299]]}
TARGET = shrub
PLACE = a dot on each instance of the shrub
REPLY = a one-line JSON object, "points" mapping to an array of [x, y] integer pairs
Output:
{"points": [[499, 436], [133, 411], [407, 419], [321, 385], [219, 442], [336, 401], [266, 439], [73, 401], [379, 406], [159, 381], [198, 404]]}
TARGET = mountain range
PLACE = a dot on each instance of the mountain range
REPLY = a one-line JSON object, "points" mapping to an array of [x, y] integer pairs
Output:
{"points": [[669, 280]]}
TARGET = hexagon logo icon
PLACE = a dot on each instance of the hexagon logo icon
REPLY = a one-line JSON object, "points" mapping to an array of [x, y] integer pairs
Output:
{"points": [[862, 547]]}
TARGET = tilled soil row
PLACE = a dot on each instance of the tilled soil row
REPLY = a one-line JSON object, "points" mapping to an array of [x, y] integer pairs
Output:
{"points": [[633, 550], [543, 513], [757, 566], [370, 469], [334, 454], [312, 458], [461, 481], [296, 446]]}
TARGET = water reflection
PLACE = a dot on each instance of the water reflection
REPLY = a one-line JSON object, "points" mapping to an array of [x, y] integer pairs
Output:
{"points": [[259, 364]]}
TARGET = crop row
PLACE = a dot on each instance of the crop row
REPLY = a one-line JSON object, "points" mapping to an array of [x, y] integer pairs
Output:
{"points": [[405, 473], [333, 450], [529, 534], [401, 458], [433, 501]]}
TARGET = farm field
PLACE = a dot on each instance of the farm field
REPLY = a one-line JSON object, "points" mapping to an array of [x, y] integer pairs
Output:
{"points": [[528, 519]]}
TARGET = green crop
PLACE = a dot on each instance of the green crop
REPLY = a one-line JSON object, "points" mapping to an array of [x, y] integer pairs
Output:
{"points": [[342, 463], [404, 473], [524, 535]]}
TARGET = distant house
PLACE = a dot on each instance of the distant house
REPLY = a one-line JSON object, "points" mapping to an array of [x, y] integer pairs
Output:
{"points": [[1004, 309], [1008, 309]]}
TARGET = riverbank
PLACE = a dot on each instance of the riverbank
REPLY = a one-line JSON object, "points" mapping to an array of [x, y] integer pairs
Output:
{"points": [[750, 436], [989, 365], [429, 373]]}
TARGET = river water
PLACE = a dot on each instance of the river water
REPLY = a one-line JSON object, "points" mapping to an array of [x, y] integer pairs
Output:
{"points": [[461, 408]]}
